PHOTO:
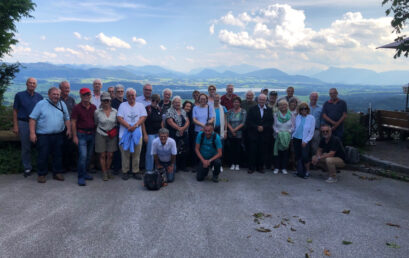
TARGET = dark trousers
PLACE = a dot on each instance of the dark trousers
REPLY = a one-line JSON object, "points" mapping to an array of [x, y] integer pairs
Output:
{"points": [[258, 152], [281, 160], [202, 172], [301, 153], [69, 153], [169, 176], [269, 153], [49, 144], [85, 151], [235, 150]]}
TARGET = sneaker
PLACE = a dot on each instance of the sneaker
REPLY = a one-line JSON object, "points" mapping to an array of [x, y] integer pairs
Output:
{"points": [[237, 168], [125, 176], [27, 173], [233, 167], [88, 177], [331, 180], [221, 169], [104, 176], [81, 182], [307, 175], [42, 179], [275, 172], [137, 176], [284, 171]]}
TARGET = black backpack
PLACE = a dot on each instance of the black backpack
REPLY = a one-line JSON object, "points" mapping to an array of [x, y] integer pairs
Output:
{"points": [[153, 180]]}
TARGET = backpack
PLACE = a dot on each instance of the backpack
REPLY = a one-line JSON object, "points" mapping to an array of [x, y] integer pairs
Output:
{"points": [[153, 180], [351, 155], [213, 140]]}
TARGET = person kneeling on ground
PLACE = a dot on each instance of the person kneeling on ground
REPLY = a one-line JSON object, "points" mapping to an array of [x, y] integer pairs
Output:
{"points": [[209, 151], [330, 154], [164, 153]]}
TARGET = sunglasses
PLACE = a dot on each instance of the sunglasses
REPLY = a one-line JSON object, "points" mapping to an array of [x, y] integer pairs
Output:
{"points": [[301, 109], [106, 100], [86, 94]]}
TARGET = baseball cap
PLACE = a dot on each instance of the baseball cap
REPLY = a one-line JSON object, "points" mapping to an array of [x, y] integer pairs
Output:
{"points": [[105, 96], [84, 91]]}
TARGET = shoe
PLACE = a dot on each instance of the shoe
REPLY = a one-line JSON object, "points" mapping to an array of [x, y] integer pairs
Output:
{"points": [[331, 180], [261, 171], [237, 168], [233, 167], [137, 176], [221, 169], [275, 172], [215, 179], [58, 177], [110, 175], [250, 171], [307, 175], [104, 176], [42, 179], [27, 173], [284, 171], [81, 182], [88, 177], [125, 176]]}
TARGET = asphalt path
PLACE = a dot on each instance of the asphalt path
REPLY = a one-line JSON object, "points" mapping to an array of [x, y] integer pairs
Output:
{"points": [[205, 219]]}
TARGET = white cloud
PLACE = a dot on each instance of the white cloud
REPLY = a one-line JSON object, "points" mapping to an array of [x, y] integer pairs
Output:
{"points": [[112, 41], [87, 48], [229, 19], [49, 55], [190, 48], [211, 29], [67, 50], [139, 41], [77, 35], [162, 47], [43, 37], [20, 49]]}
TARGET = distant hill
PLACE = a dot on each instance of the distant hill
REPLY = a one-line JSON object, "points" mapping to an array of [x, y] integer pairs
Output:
{"points": [[240, 69]]}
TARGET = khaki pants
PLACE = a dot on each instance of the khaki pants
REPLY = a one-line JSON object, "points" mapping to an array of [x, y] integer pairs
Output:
{"points": [[127, 156], [331, 164]]}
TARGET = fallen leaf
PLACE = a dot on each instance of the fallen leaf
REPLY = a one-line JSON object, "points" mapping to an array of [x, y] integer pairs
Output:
{"points": [[256, 221], [292, 229], [289, 240], [346, 211], [378, 204], [301, 221], [327, 252], [346, 242], [309, 240], [284, 193], [277, 226], [282, 223], [248, 236], [267, 215], [262, 229], [392, 245], [295, 216], [393, 225], [285, 219], [258, 215]]}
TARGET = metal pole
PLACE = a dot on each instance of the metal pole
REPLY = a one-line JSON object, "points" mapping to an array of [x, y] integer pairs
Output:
{"points": [[407, 96]]}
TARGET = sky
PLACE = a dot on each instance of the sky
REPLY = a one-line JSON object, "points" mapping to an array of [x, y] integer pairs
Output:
{"points": [[295, 36]]}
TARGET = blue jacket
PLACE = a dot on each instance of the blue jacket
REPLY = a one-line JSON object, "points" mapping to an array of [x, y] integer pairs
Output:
{"points": [[130, 139]]}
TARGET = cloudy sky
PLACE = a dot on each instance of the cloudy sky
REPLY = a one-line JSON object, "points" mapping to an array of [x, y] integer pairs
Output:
{"points": [[296, 36]]}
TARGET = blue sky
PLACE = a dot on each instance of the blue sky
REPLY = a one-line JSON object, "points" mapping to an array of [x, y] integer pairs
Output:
{"points": [[298, 36]]}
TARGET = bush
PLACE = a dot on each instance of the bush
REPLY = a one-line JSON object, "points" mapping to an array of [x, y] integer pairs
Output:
{"points": [[6, 118], [355, 134], [10, 159]]}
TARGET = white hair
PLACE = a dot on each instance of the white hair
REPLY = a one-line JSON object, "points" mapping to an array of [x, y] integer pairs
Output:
{"points": [[165, 90], [176, 97], [262, 95], [97, 80], [314, 93], [250, 92], [130, 90], [118, 86]]}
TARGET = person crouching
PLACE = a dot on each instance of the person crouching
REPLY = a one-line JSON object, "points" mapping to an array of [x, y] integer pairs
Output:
{"points": [[164, 153]]}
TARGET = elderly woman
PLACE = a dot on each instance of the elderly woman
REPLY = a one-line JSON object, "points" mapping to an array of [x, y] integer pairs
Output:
{"points": [[166, 103], [178, 124], [292, 105], [150, 129], [236, 119], [220, 123], [284, 123], [302, 135], [106, 140], [202, 114]]}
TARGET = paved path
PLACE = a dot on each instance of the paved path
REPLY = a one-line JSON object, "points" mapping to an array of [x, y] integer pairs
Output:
{"points": [[390, 151], [191, 219]]}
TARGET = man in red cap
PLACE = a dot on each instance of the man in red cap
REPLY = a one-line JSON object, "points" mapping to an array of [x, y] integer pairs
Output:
{"points": [[83, 130]]}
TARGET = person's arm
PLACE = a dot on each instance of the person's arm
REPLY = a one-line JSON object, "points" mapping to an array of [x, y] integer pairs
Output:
{"points": [[157, 163], [74, 131], [309, 129], [218, 155], [15, 121], [122, 122], [329, 120], [344, 115], [269, 123], [172, 163], [32, 126], [145, 135], [187, 123], [173, 124], [199, 155], [212, 115], [68, 126]]}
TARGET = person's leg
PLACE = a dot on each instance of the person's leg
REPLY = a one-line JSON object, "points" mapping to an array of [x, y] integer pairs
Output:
{"points": [[216, 164], [55, 145], [125, 158], [201, 172], [169, 175], [82, 155], [42, 158], [332, 165], [90, 142], [24, 134], [284, 159], [305, 152], [135, 159], [253, 155], [149, 156]]}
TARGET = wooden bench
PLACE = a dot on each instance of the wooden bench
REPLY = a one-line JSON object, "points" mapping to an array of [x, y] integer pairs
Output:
{"points": [[8, 136], [389, 121]]}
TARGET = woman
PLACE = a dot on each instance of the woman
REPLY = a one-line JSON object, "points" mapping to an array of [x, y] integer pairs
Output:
{"points": [[284, 123], [106, 140], [202, 114], [165, 104], [150, 128], [302, 135], [236, 119], [195, 96], [188, 107], [292, 104], [178, 125], [212, 92], [220, 124]]}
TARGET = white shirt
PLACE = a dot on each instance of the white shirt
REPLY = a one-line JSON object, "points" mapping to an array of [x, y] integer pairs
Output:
{"points": [[96, 100], [143, 100], [262, 110], [164, 151], [131, 114]]}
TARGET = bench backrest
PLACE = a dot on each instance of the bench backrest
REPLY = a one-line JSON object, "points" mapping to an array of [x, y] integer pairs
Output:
{"points": [[393, 119]]}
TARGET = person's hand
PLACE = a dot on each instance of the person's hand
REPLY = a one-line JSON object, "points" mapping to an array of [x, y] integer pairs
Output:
{"points": [[304, 144], [69, 134], [234, 133], [131, 128], [260, 128], [75, 140], [33, 137], [180, 131], [145, 138], [15, 129], [170, 169], [206, 163], [314, 160]]}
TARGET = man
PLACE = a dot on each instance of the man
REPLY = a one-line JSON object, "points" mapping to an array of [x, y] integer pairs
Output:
{"points": [[334, 113], [259, 124], [249, 102], [96, 96], [227, 99], [47, 126], [272, 101], [209, 151], [330, 154], [111, 92], [24, 103], [164, 153], [83, 131], [119, 98], [316, 111], [131, 115], [145, 99], [68, 147], [290, 95]]}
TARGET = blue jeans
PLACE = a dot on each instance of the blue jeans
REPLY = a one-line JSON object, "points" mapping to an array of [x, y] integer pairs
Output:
{"points": [[85, 151], [49, 144], [149, 156], [170, 176], [24, 134]]}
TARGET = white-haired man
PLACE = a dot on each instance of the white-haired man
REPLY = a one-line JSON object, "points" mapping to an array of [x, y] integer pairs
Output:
{"points": [[145, 98], [96, 95]]}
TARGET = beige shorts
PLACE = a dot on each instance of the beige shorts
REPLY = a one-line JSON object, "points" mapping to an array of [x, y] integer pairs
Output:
{"points": [[105, 144]]}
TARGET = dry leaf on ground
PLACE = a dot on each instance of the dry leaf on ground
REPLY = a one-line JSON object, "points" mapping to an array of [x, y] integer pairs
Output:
{"points": [[346, 242], [392, 245], [277, 226], [284, 193], [289, 240], [327, 252], [346, 211], [301, 221], [292, 229], [393, 225], [263, 230], [309, 240]]}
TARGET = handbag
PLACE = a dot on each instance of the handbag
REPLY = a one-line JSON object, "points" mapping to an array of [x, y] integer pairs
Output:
{"points": [[111, 133]]}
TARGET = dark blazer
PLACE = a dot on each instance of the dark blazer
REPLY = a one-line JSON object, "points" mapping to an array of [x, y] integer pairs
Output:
{"points": [[254, 120]]}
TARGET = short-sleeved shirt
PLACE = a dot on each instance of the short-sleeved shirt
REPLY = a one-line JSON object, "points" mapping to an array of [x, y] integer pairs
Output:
{"points": [[103, 122], [202, 114], [69, 102], [153, 121], [24, 104], [96, 100], [334, 144], [50, 118], [143, 100], [164, 151], [217, 119], [131, 114], [235, 119], [116, 102], [316, 112], [334, 110], [84, 117], [207, 148], [228, 103]]}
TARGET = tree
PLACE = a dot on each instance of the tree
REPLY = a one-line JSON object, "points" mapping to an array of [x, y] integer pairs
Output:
{"points": [[11, 11], [400, 11]]}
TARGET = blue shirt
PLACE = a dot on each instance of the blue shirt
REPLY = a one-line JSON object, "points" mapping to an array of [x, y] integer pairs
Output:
{"points": [[24, 103], [218, 115], [316, 112], [50, 119], [206, 148], [300, 129], [201, 114]]}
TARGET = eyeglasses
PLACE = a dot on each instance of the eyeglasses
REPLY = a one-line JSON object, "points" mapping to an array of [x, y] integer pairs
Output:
{"points": [[86, 94], [105, 100], [325, 131], [301, 109], [212, 89], [147, 89]]}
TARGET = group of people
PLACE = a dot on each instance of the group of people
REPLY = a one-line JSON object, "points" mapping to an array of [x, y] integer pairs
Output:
{"points": [[128, 133]]}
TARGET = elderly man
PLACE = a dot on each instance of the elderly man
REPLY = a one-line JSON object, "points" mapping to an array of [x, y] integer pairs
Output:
{"points": [[227, 99], [334, 113], [96, 96], [119, 98], [249, 102], [259, 127], [24, 103], [165, 103], [330, 154], [272, 101], [111, 91], [131, 115], [145, 99], [164, 153], [209, 151], [83, 131], [48, 121], [316, 111], [290, 95]]}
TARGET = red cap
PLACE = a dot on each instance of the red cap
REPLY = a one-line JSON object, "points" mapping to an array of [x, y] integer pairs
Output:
{"points": [[84, 91]]}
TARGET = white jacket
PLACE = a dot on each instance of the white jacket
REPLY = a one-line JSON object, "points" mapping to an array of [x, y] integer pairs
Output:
{"points": [[309, 127]]}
